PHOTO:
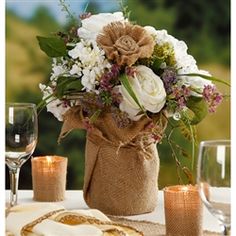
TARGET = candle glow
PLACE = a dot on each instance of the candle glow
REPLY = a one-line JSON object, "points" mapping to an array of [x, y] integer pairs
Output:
{"points": [[49, 177], [49, 159]]}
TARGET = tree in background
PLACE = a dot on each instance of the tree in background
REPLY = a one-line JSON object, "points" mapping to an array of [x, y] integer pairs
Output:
{"points": [[44, 21], [204, 25]]}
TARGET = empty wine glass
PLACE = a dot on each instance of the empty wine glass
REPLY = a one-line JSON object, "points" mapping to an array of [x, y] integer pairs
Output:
{"points": [[21, 126], [213, 179]]}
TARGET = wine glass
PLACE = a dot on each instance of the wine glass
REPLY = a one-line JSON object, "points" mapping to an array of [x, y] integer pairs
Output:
{"points": [[213, 179], [21, 126]]}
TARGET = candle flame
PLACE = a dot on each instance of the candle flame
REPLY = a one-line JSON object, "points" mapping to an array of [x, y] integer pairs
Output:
{"points": [[185, 188], [49, 160]]}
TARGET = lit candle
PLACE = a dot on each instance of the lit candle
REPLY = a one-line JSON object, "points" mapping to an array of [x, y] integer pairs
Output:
{"points": [[49, 178], [183, 210]]}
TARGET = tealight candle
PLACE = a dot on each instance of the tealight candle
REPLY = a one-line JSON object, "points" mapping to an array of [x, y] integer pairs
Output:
{"points": [[183, 210], [49, 178]]}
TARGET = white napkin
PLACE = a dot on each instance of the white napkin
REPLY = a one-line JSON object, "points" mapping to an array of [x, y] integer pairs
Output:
{"points": [[21, 215], [53, 228]]}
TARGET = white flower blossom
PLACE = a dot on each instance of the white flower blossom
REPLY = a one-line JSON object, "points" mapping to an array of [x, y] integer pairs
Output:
{"points": [[75, 70], [87, 62], [185, 63], [59, 67], [90, 63], [76, 51], [93, 25], [88, 79], [54, 105], [149, 90]]}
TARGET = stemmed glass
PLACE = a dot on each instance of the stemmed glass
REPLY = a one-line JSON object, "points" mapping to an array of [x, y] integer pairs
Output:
{"points": [[21, 126], [213, 179]]}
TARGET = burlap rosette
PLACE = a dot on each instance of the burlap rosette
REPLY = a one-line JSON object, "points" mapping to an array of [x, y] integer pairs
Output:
{"points": [[121, 165]]}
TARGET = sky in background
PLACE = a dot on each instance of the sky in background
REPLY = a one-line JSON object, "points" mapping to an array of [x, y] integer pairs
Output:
{"points": [[26, 8]]}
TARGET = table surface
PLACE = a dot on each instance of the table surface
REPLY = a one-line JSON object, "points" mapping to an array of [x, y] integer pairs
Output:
{"points": [[74, 200]]}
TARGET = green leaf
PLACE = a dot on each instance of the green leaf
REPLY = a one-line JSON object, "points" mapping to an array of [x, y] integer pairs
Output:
{"points": [[66, 84], [125, 82], [206, 77], [199, 108], [53, 47], [74, 85], [156, 64]]}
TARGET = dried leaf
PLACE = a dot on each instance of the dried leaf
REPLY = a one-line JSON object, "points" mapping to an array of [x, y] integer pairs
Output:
{"points": [[188, 174]]}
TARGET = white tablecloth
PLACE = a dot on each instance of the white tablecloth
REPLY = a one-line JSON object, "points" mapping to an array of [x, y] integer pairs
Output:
{"points": [[74, 200]]}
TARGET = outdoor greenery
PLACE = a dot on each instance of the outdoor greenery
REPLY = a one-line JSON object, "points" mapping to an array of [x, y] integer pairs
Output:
{"points": [[203, 25]]}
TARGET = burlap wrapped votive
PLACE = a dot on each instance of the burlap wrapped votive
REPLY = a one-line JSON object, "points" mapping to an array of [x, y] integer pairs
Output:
{"points": [[49, 178], [183, 210]]}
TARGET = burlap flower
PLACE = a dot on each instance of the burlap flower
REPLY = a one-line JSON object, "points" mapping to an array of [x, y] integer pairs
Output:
{"points": [[125, 43]]}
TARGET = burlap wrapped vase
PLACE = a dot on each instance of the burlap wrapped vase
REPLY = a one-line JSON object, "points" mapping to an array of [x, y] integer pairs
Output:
{"points": [[121, 165]]}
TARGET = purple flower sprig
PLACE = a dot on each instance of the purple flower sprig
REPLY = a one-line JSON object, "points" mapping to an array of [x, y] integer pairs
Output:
{"points": [[180, 95], [212, 97], [116, 97], [130, 71], [107, 80], [169, 77]]}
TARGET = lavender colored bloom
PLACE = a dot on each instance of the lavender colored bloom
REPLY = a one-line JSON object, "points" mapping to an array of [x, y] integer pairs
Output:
{"points": [[169, 79], [130, 71], [186, 91], [115, 69], [116, 97], [176, 92], [105, 82], [212, 97], [180, 96], [181, 102]]}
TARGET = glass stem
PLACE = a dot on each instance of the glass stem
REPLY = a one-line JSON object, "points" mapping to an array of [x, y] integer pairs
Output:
{"points": [[226, 229], [14, 180]]}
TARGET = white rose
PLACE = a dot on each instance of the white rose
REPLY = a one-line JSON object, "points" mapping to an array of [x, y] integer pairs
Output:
{"points": [[149, 90], [93, 25]]}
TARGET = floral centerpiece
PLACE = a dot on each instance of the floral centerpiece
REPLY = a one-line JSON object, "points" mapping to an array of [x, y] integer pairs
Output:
{"points": [[123, 83]]}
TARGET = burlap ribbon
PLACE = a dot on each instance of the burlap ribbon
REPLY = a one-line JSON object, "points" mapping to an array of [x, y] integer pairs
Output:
{"points": [[121, 165]]}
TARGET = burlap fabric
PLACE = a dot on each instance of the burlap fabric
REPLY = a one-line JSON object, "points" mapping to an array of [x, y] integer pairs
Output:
{"points": [[121, 165], [49, 184], [183, 211], [151, 228]]}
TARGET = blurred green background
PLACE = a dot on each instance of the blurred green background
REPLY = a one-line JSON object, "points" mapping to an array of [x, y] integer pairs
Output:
{"points": [[203, 25]]}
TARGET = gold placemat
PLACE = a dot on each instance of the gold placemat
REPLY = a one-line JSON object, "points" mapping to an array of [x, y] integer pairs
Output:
{"points": [[150, 228]]}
